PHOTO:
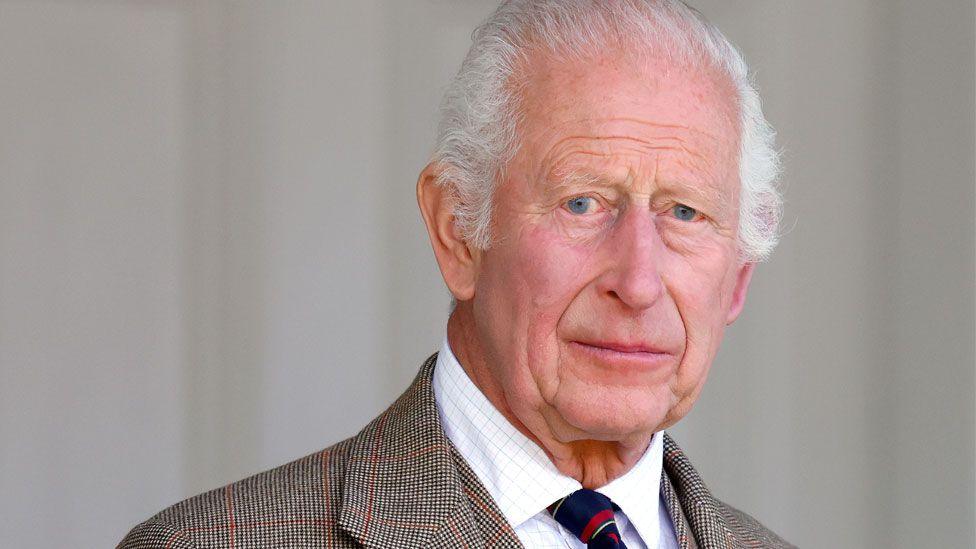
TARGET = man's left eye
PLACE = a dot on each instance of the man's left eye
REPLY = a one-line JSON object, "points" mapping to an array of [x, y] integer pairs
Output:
{"points": [[684, 213], [579, 205]]}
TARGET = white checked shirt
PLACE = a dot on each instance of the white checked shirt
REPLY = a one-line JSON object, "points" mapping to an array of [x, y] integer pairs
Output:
{"points": [[523, 481]]}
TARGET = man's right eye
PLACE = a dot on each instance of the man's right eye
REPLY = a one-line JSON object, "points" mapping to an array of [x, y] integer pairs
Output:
{"points": [[579, 205]]}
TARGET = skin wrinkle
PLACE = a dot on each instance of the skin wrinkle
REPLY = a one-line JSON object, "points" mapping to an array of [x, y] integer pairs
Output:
{"points": [[555, 283], [643, 144], [683, 146], [561, 162]]}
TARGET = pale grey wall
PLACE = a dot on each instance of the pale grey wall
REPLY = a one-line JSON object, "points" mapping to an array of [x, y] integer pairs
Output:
{"points": [[92, 190], [211, 260]]}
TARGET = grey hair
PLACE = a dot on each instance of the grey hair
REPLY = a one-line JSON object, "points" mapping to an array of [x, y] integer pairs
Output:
{"points": [[477, 134]]}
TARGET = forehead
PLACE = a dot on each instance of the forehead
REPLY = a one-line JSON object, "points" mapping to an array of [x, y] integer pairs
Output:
{"points": [[612, 106]]}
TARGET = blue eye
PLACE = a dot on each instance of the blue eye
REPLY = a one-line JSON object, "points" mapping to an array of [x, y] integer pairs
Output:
{"points": [[579, 205], [684, 213]]}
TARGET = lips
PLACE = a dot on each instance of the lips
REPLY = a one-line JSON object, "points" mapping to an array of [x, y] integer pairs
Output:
{"points": [[621, 347], [625, 358]]}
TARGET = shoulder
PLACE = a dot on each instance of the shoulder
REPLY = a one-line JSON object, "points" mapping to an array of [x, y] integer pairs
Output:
{"points": [[713, 522], [299, 504], [744, 526], [294, 504]]}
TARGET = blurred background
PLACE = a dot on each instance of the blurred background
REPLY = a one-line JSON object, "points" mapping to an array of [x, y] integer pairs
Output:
{"points": [[211, 260]]}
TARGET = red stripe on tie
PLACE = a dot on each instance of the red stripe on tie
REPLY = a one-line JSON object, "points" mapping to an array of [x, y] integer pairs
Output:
{"points": [[598, 519]]}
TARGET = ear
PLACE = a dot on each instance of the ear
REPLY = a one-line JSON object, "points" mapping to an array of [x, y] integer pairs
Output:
{"points": [[742, 278], [458, 262]]}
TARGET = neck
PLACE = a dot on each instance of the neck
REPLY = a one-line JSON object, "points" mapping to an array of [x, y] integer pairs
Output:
{"points": [[594, 463]]}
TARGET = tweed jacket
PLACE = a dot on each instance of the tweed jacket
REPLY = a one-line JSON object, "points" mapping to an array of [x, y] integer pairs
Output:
{"points": [[401, 483]]}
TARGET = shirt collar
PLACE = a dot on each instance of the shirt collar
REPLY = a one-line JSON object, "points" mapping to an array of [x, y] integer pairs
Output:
{"points": [[516, 471], [637, 491]]}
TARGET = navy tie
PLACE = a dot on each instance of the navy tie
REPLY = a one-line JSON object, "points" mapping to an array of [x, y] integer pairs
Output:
{"points": [[589, 516]]}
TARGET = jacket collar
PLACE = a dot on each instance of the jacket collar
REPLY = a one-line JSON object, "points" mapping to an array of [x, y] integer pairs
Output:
{"points": [[401, 483], [694, 511], [406, 485]]}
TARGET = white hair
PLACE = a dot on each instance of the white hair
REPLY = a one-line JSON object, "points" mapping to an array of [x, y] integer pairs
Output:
{"points": [[477, 133]]}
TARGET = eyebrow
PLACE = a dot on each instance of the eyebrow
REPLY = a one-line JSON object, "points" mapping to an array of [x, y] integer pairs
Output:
{"points": [[580, 178], [709, 193]]}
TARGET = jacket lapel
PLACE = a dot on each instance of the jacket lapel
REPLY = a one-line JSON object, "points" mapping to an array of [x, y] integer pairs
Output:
{"points": [[686, 540], [487, 517], [406, 486]]}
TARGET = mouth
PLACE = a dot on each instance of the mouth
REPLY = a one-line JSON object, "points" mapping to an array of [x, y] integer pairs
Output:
{"points": [[625, 355]]}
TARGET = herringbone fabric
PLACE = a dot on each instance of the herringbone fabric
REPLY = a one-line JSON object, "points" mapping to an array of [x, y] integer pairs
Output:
{"points": [[400, 483]]}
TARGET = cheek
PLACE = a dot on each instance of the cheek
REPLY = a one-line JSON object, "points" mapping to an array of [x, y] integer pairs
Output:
{"points": [[702, 286], [701, 291], [528, 280], [546, 274], [549, 270]]}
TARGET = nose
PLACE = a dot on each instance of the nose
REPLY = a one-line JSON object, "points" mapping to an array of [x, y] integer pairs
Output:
{"points": [[634, 256]]}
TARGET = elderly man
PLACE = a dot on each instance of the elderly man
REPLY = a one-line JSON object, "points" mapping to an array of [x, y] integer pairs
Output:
{"points": [[601, 190]]}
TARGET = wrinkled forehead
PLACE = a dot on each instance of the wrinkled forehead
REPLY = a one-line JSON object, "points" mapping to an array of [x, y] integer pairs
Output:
{"points": [[574, 112]]}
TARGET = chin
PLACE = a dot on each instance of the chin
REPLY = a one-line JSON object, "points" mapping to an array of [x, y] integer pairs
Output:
{"points": [[613, 413]]}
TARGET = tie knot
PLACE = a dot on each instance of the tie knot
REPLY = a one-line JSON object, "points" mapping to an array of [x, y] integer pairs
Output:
{"points": [[589, 516]]}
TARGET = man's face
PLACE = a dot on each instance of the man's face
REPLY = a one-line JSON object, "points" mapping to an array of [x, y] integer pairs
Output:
{"points": [[613, 269]]}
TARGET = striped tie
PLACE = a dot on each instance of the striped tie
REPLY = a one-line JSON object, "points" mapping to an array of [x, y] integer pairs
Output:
{"points": [[589, 516]]}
